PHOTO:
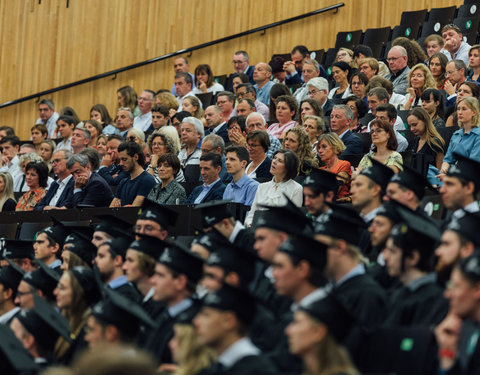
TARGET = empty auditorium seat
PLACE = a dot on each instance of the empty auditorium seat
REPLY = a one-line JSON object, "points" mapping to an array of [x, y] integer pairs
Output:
{"points": [[376, 39], [444, 15], [329, 59], [410, 24], [221, 79], [468, 10], [469, 27], [348, 39], [432, 27], [8, 231], [28, 230], [206, 98], [317, 55]]}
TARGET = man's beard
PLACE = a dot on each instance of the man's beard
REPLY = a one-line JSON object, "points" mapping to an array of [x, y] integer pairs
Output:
{"points": [[444, 270]]}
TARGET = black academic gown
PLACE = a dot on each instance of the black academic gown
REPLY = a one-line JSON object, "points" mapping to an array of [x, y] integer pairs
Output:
{"points": [[157, 339], [420, 306], [265, 291], [364, 298], [266, 330], [249, 365], [129, 291]]}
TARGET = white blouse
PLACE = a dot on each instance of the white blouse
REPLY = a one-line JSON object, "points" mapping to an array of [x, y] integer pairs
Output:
{"points": [[272, 194]]}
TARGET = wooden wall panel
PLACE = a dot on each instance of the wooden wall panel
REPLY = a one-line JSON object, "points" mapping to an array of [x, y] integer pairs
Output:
{"points": [[47, 45]]}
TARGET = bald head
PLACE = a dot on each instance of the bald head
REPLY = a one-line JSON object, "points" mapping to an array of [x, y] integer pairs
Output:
{"points": [[255, 121], [397, 59], [262, 73]]}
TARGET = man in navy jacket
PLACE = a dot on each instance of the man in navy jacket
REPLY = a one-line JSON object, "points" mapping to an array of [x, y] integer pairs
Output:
{"points": [[340, 120], [213, 187]]}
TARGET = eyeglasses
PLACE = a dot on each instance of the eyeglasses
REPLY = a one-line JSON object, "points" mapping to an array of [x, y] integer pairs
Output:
{"points": [[313, 92], [144, 99], [389, 59], [56, 161], [251, 145], [376, 131], [358, 83], [450, 72]]}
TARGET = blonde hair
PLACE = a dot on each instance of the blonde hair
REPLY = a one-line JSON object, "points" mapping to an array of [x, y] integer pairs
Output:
{"points": [[334, 141], [192, 356], [172, 133], [199, 113], [432, 136], [304, 151], [8, 190], [373, 63], [139, 134], [429, 80], [167, 99], [471, 103]]}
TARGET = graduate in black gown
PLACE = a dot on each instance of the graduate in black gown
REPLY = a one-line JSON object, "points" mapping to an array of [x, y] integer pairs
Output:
{"points": [[223, 324], [409, 256]]}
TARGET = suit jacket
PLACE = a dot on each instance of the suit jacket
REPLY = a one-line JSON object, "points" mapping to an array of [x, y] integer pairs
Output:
{"points": [[108, 173], [353, 143], [400, 83], [223, 132], [215, 192], [327, 108], [96, 193], [64, 200]]}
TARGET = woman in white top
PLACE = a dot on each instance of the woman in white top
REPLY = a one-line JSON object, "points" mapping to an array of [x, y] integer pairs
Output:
{"points": [[204, 80], [284, 169], [341, 73]]}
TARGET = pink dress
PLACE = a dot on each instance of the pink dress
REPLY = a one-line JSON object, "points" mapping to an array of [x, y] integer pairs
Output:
{"points": [[277, 130]]}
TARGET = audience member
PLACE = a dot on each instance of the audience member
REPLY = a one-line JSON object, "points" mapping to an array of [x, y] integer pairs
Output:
{"points": [[127, 98], [455, 74], [293, 68], [95, 129], [89, 188], [419, 80], [242, 189], [474, 63], [100, 113], [297, 140], [340, 120], [416, 55], [465, 90], [48, 116], [244, 108], [310, 69], [180, 65], [397, 62], [168, 190], [262, 75], [241, 64], [161, 144], [358, 82], [189, 155], [36, 175], [9, 159], [255, 121], [193, 105], [39, 133], [359, 110], [132, 190], [341, 73], [387, 112], [314, 126], [258, 143], [319, 188], [215, 122], [213, 187], [110, 168], [238, 79], [26, 148], [204, 80], [247, 91], [237, 130], [65, 127], [183, 87], [379, 96], [308, 107], [7, 199], [369, 66], [318, 90], [19, 180], [286, 111], [80, 139], [433, 104], [226, 102], [438, 67], [6, 131], [433, 44], [282, 186], [160, 118], [330, 146], [454, 46]]}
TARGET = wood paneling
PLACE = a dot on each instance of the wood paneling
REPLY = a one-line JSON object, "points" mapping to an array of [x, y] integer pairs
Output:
{"points": [[47, 45]]}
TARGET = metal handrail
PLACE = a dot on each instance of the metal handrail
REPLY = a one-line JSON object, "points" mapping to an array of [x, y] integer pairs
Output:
{"points": [[172, 54]]}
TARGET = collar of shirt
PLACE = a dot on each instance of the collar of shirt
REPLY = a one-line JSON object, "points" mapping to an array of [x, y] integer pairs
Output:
{"points": [[371, 215], [174, 310], [217, 128], [149, 295], [472, 208], [5, 318], [269, 274], [427, 279], [240, 349], [65, 180], [208, 187], [118, 282], [236, 229], [341, 135], [55, 264], [358, 270], [241, 183], [399, 72]]}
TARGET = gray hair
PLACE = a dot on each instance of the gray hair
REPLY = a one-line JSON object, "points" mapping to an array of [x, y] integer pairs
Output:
{"points": [[346, 110], [256, 114], [215, 107], [401, 50], [197, 124], [32, 156], [66, 153], [216, 140], [319, 83], [313, 62], [459, 64], [78, 158], [86, 132], [48, 102], [127, 109], [380, 92]]}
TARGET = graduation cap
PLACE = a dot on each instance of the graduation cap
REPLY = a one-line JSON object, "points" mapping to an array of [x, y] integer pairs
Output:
{"points": [[307, 248], [341, 222], [86, 230], [17, 249], [86, 279], [214, 211], [470, 267], [184, 261], [44, 279], [14, 358], [412, 180], [44, 323], [113, 226], [331, 312], [467, 226], [119, 245], [232, 258], [229, 298], [149, 245], [122, 312], [389, 209], [378, 173], [415, 232], [207, 240], [465, 168], [289, 219], [11, 275], [82, 246], [158, 213], [320, 178], [57, 233]]}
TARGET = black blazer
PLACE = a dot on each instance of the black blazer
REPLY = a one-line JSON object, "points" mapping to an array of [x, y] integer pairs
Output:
{"points": [[215, 193], [108, 173], [95, 193], [353, 143], [64, 200]]}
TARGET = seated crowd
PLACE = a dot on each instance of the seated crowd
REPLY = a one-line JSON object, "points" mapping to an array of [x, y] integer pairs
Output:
{"points": [[334, 253]]}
